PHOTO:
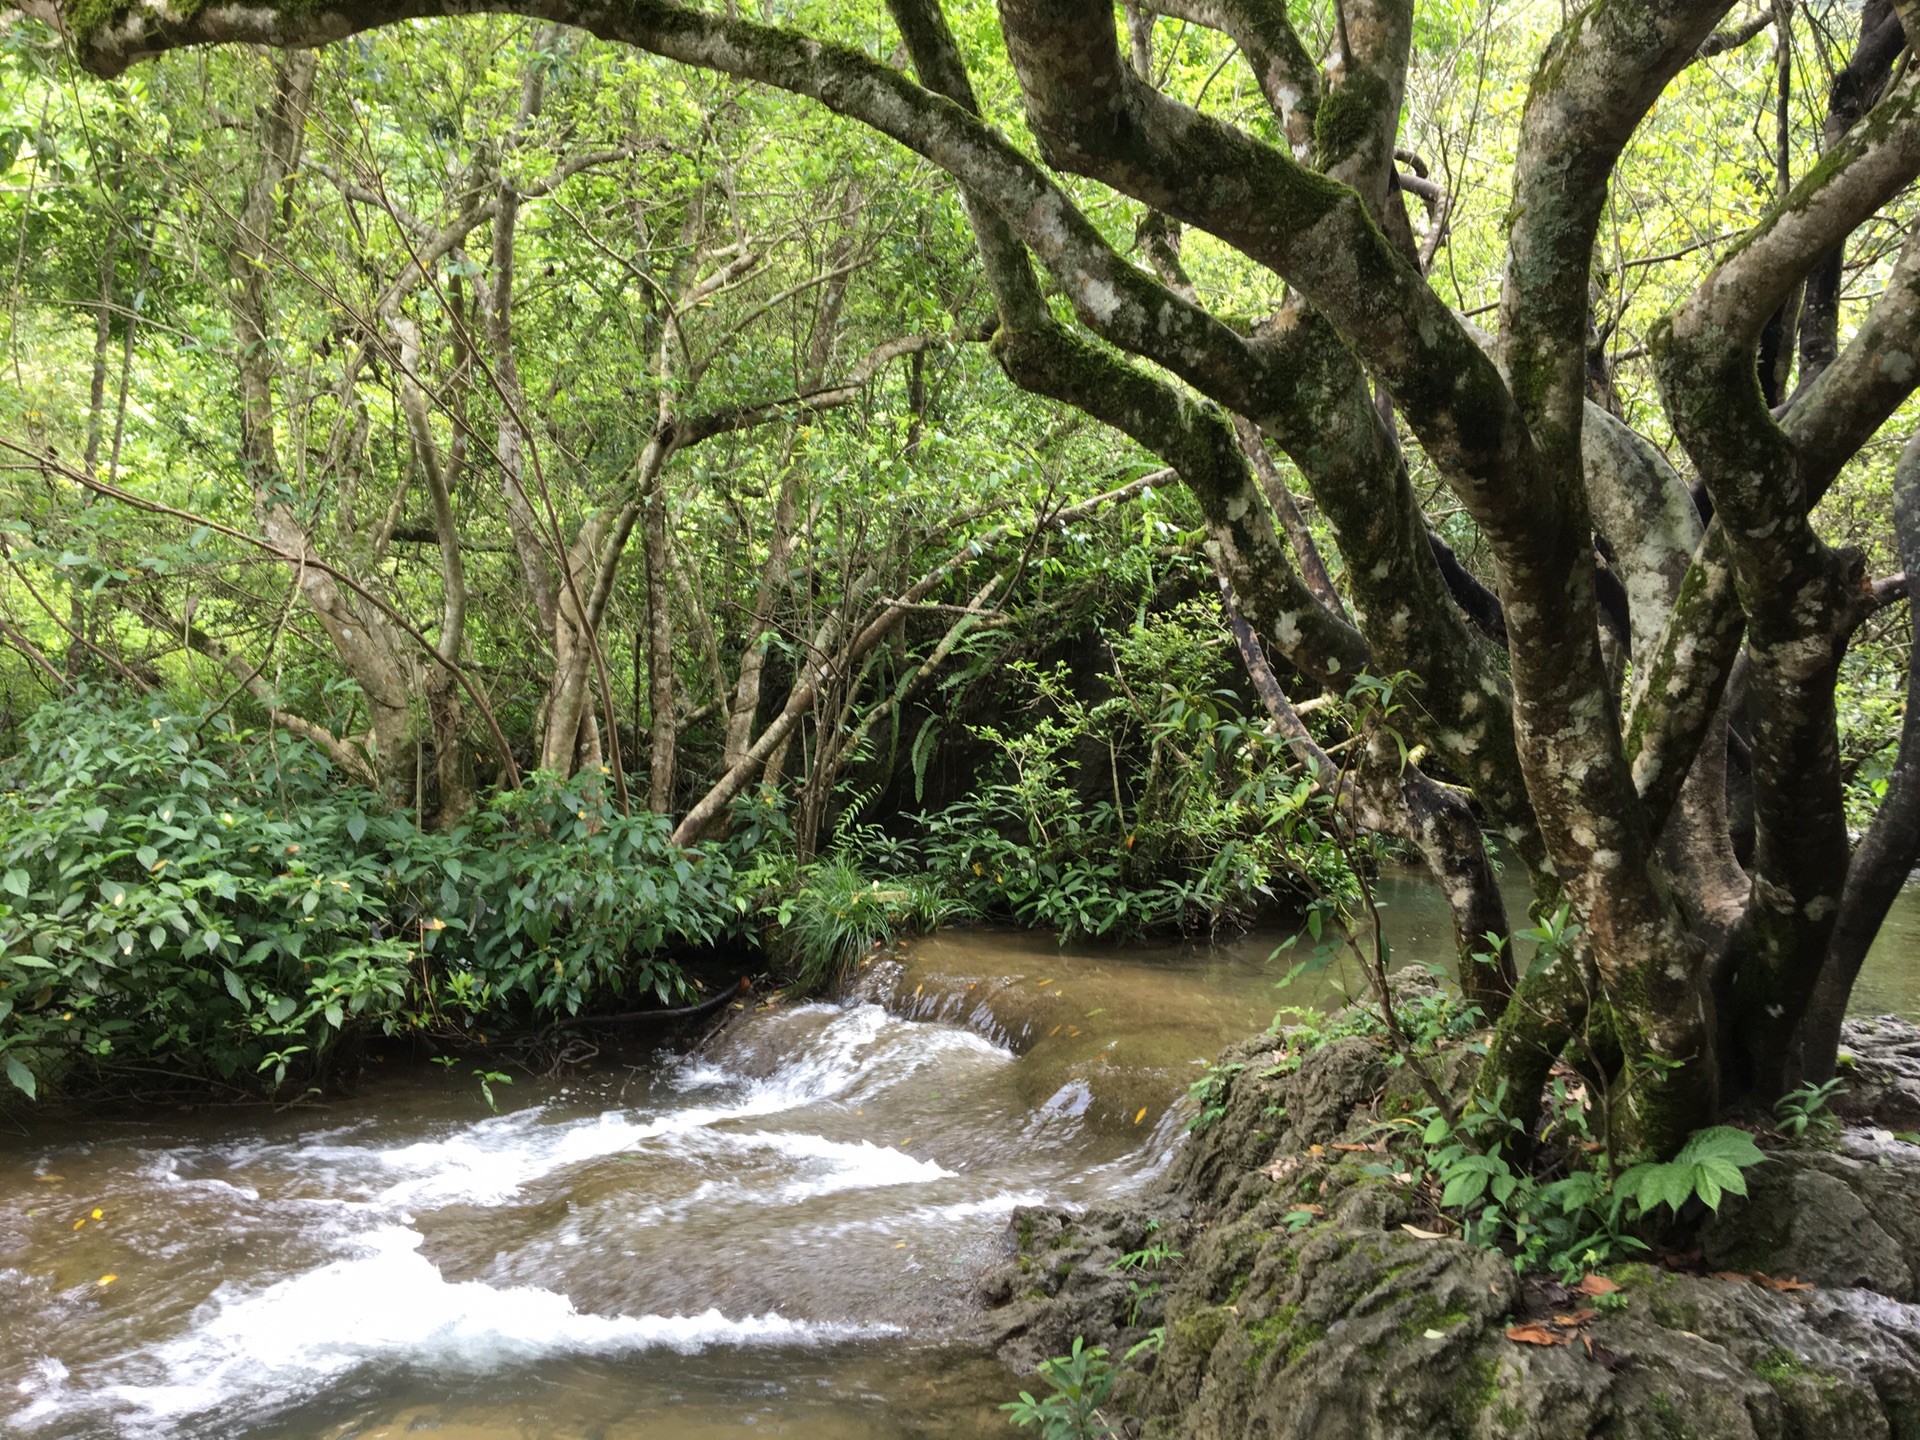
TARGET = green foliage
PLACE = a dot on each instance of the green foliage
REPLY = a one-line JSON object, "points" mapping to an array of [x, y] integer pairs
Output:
{"points": [[1160, 806], [1148, 1257], [1429, 1019], [1580, 1218], [550, 897], [181, 901], [1081, 1383], [835, 913], [1209, 1093], [181, 898], [1709, 1166], [1804, 1111]]}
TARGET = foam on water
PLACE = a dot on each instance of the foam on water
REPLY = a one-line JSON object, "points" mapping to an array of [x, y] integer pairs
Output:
{"points": [[384, 1304], [374, 1302]]}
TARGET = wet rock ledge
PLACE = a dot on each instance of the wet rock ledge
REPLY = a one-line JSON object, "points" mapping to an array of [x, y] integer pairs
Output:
{"points": [[1351, 1328]]}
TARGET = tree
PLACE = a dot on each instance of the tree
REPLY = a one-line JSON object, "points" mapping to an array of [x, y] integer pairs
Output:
{"points": [[1695, 983]]}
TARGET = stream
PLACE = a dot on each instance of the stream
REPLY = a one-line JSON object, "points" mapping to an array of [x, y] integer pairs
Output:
{"points": [[777, 1236]]}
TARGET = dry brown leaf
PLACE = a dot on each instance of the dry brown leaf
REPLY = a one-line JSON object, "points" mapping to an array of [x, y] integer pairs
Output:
{"points": [[1535, 1335], [1595, 1285], [1796, 1283], [1578, 1317], [1419, 1234], [1730, 1276]]}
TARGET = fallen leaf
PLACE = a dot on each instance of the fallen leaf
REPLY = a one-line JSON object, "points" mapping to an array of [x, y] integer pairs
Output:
{"points": [[1316, 1149], [98, 1213], [50, 1179], [1403, 1177], [1436, 1335], [1796, 1283], [1419, 1234], [81, 1221], [1535, 1335], [1578, 1317], [901, 1246], [906, 1142], [1730, 1276], [1044, 982], [106, 1279], [1141, 1116], [1596, 1285], [1350, 1149]]}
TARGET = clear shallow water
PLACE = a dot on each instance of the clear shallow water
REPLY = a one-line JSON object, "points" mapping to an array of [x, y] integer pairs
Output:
{"points": [[778, 1236]]}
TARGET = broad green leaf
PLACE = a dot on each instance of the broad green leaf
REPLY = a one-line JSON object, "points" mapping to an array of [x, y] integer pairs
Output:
{"points": [[22, 1078]]}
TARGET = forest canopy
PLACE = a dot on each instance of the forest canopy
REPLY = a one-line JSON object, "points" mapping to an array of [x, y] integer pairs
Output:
{"points": [[1085, 464]]}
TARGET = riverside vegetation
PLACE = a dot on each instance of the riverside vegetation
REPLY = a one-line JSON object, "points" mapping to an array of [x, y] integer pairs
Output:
{"points": [[512, 514], [720, 404]]}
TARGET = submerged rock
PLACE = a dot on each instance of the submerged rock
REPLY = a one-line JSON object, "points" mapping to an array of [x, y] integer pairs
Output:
{"points": [[1300, 1306]]}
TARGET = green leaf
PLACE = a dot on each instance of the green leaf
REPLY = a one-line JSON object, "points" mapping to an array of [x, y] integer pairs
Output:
{"points": [[235, 988], [1464, 1188], [280, 1007], [356, 826], [15, 882], [334, 1017], [95, 819], [22, 1078]]}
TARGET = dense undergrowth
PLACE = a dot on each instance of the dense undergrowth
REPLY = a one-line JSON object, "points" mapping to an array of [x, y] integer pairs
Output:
{"points": [[184, 899]]}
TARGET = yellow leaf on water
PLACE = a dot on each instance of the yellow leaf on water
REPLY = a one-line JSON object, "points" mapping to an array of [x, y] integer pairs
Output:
{"points": [[1141, 1116], [906, 1142], [98, 1213], [901, 1246], [50, 1179], [1044, 982], [1053, 1032], [81, 1221], [106, 1279]]}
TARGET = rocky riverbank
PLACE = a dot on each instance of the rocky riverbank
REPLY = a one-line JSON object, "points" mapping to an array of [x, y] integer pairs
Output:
{"points": [[1310, 1298]]}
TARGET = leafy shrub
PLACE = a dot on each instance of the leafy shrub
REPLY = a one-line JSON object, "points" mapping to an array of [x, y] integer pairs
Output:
{"points": [[207, 904], [1584, 1217], [182, 902], [1217, 822], [550, 897]]}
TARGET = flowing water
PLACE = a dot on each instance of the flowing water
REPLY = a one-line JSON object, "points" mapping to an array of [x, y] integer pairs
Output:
{"points": [[777, 1236]]}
